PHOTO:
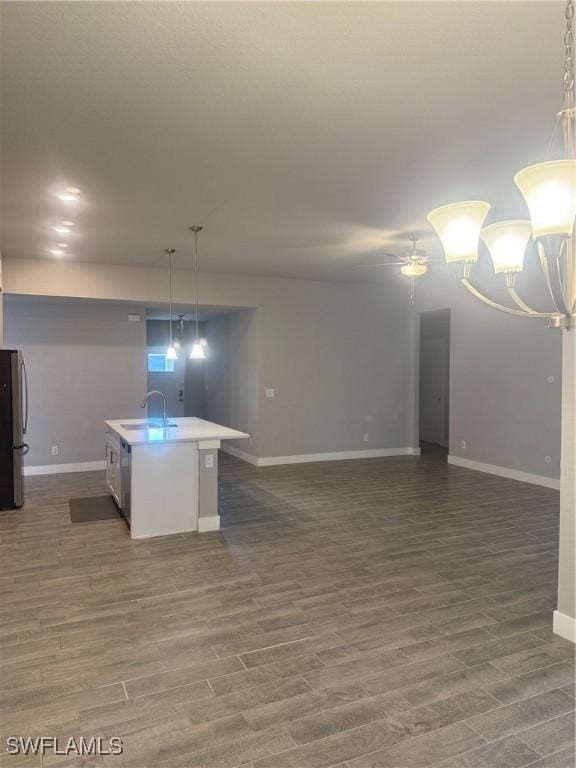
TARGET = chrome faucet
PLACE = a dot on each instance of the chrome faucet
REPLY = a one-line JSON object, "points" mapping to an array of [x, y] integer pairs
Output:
{"points": [[144, 403]]}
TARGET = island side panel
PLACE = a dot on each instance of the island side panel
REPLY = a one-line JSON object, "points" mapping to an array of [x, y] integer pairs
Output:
{"points": [[208, 517], [165, 489]]}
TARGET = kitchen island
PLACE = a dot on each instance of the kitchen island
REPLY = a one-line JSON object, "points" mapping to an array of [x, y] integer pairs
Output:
{"points": [[164, 476]]}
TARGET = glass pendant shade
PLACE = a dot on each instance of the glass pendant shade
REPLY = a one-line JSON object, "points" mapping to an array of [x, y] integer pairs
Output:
{"points": [[413, 269], [171, 353], [507, 241], [458, 226], [550, 193], [197, 352]]}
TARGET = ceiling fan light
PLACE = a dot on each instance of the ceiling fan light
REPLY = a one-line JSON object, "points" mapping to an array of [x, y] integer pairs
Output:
{"points": [[506, 241], [197, 352], [550, 193], [458, 226], [413, 270]]}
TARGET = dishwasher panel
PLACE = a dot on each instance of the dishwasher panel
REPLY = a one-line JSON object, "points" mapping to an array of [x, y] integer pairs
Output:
{"points": [[125, 474]]}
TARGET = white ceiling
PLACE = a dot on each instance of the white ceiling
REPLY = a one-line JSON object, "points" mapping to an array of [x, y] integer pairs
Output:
{"points": [[306, 137]]}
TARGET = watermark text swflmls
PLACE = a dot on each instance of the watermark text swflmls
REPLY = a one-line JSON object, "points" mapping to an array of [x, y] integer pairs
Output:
{"points": [[81, 745]]}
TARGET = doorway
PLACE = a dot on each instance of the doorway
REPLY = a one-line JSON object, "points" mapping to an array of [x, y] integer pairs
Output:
{"points": [[434, 394], [182, 380]]}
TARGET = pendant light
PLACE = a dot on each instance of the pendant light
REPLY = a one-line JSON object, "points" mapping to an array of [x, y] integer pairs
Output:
{"points": [[197, 352], [171, 353]]}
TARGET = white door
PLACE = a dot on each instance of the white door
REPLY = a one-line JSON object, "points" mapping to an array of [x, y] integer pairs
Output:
{"points": [[433, 391]]}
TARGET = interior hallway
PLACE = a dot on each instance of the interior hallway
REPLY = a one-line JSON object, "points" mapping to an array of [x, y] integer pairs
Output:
{"points": [[382, 612]]}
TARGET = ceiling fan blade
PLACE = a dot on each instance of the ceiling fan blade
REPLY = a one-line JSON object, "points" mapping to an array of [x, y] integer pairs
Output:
{"points": [[385, 264]]}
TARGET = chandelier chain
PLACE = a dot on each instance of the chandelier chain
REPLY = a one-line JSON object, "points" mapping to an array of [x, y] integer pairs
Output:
{"points": [[569, 48]]}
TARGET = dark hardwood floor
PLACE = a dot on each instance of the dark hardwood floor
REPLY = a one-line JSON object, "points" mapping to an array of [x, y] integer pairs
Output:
{"points": [[387, 612]]}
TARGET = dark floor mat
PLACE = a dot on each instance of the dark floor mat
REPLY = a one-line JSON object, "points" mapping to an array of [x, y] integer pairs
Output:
{"points": [[92, 509]]}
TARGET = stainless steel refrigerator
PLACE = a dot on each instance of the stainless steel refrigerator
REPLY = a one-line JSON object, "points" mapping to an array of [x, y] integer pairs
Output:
{"points": [[13, 425]]}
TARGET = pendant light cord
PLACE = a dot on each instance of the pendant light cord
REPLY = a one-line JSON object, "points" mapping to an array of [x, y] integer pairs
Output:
{"points": [[197, 279], [196, 229], [170, 251]]}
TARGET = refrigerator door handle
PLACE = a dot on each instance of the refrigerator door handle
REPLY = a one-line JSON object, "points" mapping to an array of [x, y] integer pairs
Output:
{"points": [[25, 390]]}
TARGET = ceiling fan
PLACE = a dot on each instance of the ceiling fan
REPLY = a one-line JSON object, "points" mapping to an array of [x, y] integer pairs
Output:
{"points": [[413, 263]]}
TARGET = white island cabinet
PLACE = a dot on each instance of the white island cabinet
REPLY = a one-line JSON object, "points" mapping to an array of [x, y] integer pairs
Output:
{"points": [[165, 478]]}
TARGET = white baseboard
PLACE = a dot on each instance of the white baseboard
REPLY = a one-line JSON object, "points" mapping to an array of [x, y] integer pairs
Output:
{"points": [[305, 458], [57, 469], [511, 474], [565, 626], [239, 454], [208, 524]]}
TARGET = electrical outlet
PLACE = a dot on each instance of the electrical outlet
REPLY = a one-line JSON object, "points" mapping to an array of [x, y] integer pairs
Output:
{"points": [[463, 445], [366, 437], [54, 450], [209, 461], [270, 393]]}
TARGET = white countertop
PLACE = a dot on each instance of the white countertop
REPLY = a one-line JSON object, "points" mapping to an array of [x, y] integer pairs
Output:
{"points": [[188, 429]]}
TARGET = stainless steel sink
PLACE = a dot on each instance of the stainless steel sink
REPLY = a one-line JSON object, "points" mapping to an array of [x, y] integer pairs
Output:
{"points": [[148, 425]]}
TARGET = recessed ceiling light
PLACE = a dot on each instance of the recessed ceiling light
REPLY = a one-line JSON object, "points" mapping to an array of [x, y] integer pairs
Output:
{"points": [[67, 223], [61, 230], [56, 251], [62, 245]]}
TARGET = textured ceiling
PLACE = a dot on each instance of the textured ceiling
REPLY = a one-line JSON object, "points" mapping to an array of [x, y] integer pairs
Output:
{"points": [[306, 137]]}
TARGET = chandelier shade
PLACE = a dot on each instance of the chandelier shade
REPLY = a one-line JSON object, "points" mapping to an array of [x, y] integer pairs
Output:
{"points": [[550, 193], [507, 242], [458, 226]]}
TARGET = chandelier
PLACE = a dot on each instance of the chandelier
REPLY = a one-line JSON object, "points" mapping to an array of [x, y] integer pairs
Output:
{"points": [[549, 189]]}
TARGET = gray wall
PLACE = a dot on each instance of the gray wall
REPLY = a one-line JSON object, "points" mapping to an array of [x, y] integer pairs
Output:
{"points": [[86, 363], [232, 376], [501, 403], [339, 358], [343, 359]]}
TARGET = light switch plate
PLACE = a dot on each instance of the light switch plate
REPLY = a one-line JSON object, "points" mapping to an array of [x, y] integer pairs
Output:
{"points": [[209, 461], [270, 393]]}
